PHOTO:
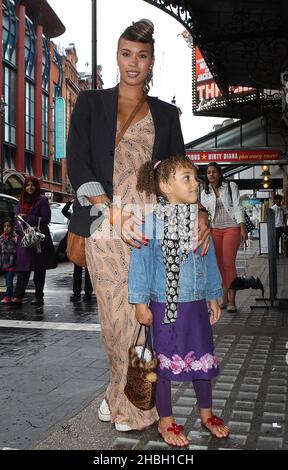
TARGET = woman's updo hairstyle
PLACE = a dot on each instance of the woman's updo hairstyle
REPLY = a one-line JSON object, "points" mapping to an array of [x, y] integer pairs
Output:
{"points": [[141, 31]]}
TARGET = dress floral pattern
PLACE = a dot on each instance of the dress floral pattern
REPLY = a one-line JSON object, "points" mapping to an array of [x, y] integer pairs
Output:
{"points": [[177, 364], [185, 349]]}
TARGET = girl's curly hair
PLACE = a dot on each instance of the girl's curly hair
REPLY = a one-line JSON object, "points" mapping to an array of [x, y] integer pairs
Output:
{"points": [[152, 173]]}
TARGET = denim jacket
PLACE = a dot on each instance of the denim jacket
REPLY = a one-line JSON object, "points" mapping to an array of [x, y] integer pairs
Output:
{"points": [[199, 276]]}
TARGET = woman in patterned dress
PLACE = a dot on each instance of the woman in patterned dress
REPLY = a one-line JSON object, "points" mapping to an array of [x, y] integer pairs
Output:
{"points": [[103, 175]]}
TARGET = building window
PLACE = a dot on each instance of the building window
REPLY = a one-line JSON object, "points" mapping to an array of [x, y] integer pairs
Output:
{"points": [[29, 116], [9, 27], [57, 59], [28, 164], [9, 91], [45, 163], [57, 172], [8, 157], [30, 50], [45, 64], [45, 128]]}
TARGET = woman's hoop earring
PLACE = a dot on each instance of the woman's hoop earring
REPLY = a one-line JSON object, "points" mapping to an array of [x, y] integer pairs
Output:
{"points": [[117, 75]]}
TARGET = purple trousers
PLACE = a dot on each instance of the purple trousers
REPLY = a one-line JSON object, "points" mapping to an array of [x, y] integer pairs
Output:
{"points": [[203, 391]]}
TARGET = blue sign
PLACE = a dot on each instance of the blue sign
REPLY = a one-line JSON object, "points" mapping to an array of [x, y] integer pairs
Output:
{"points": [[60, 128], [254, 201]]}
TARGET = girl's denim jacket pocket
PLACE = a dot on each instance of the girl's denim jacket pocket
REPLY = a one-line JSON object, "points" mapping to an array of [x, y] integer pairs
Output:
{"points": [[199, 276]]}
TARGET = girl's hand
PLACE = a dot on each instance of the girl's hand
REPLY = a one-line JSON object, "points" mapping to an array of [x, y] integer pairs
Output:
{"points": [[125, 224], [215, 310], [244, 233], [203, 233], [143, 314]]}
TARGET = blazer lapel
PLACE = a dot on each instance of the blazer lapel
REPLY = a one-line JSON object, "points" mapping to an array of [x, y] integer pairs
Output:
{"points": [[110, 103], [153, 101]]}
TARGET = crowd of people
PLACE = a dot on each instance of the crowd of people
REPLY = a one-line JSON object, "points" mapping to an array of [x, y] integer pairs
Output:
{"points": [[16, 258]]}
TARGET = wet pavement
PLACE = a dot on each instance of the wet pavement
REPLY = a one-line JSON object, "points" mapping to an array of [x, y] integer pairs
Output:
{"points": [[51, 366], [53, 378]]}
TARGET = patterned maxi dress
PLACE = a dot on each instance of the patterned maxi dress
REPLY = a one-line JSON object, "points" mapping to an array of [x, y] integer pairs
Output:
{"points": [[108, 263]]}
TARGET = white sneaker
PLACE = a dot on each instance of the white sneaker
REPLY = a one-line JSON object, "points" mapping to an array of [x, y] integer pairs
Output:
{"points": [[104, 412], [122, 427]]}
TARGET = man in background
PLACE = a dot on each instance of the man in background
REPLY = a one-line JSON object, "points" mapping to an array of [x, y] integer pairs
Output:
{"points": [[78, 270], [280, 218]]}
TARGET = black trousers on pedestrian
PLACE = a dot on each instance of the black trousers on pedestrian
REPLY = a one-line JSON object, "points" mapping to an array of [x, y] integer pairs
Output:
{"points": [[22, 283], [77, 281], [279, 231]]}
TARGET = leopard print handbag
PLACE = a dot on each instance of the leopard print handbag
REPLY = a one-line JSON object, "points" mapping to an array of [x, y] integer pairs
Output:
{"points": [[140, 388]]}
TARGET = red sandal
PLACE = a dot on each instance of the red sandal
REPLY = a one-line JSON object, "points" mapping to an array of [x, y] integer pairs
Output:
{"points": [[215, 421], [176, 429]]}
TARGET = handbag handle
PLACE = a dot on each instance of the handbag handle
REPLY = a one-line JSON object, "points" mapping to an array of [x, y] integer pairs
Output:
{"points": [[147, 331], [26, 223], [130, 119], [23, 221]]}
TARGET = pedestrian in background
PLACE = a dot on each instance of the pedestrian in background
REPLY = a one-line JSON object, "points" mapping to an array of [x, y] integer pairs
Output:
{"points": [[8, 241], [280, 218], [222, 200], [33, 206], [78, 271]]}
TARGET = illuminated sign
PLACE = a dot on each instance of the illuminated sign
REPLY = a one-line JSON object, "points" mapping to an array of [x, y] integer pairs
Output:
{"points": [[206, 94], [234, 155]]}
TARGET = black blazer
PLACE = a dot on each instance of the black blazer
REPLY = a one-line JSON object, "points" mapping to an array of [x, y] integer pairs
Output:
{"points": [[91, 144]]}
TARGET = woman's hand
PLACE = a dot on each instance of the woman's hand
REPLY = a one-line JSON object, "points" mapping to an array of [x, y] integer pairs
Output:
{"points": [[203, 233], [143, 314], [244, 233], [215, 310], [125, 224]]}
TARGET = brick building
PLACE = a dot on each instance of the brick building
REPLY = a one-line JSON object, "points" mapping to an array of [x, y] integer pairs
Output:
{"points": [[34, 74]]}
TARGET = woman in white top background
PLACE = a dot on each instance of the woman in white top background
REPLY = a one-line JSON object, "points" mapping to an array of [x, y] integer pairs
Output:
{"points": [[222, 200]]}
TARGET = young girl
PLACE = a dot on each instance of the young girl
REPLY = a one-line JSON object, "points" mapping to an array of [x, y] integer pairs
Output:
{"points": [[8, 241], [170, 284]]}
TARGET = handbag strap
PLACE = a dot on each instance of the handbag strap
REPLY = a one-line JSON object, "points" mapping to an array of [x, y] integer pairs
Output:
{"points": [[130, 119], [23, 221], [230, 191], [26, 223], [148, 330]]}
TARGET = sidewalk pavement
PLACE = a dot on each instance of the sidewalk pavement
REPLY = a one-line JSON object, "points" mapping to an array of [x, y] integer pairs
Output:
{"points": [[54, 373], [250, 392]]}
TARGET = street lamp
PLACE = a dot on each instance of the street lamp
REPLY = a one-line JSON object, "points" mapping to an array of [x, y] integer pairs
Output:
{"points": [[2, 112], [94, 44], [173, 101]]}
